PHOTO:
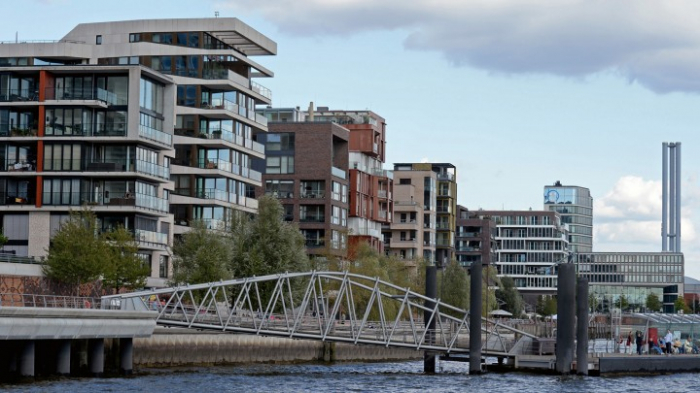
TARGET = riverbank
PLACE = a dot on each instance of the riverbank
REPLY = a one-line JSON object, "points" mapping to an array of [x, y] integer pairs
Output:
{"points": [[169, 347]]}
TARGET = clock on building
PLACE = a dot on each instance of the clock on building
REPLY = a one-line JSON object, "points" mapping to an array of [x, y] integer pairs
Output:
{"points": [[551, 196]]}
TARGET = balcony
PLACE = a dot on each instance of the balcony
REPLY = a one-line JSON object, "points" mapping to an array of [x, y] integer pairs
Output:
{"points": [[106, 198], [17, 198], [468, 249], [107, 165], [11, 131], [54, 129], [93, 97], [315, 243], [468, 234], [151, 238], [155, 135], [318, 194], [312, 218], [367, 232], [19, 95], [228, 136], [446, 176], [337, 172], [17, 166], [234, 109], [239, 80]]}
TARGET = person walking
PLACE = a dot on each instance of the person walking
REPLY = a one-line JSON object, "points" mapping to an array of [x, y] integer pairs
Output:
{"points": [[639, 341], [628, 344], [668, 339]]}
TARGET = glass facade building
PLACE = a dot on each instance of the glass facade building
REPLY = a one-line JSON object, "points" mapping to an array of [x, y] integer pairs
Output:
{"points": [[575, 206]]}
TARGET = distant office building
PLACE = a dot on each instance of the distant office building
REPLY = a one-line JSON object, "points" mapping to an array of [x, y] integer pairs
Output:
{"points": [[575, 205], [634, 275], [411, 234], [306, 168], [530, 247]]}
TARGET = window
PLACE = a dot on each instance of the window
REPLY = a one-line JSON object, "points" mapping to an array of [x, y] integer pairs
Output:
{"points": [[163, 266], [280, 188], [98, 40], [280, 165], [404, 181], [65, 192], [277, 142], [62, 157], [134, 37]]}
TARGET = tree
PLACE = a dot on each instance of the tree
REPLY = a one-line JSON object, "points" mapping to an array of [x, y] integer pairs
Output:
{"points": [[546, 305], [123, 268], [266, 244], [201, 255], [3, 239], [622, 303], [77, 254], [509, 294], [454, 286], [680, 305], [653, 303]]}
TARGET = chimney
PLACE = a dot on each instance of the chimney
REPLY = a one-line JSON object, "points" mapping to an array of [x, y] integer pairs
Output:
{"points": [[311, 111]]}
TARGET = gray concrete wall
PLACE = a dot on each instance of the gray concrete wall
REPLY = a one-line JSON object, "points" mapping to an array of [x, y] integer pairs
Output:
{"points": [[175, 347]]}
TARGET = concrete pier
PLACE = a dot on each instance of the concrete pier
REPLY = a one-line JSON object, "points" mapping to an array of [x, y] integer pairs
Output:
{"points": [[126, 355], [96, 356], [582, 326], [63, 357], [26, 358]]}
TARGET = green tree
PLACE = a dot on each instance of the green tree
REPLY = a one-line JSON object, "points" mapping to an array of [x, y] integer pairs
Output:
{"points": [[201, 255], [508, 293], [3, 239], [266, 244], [77, 254], [622, 303], [546, 305], [123, 268], [653, 303], [454, 286], [681, 305]]}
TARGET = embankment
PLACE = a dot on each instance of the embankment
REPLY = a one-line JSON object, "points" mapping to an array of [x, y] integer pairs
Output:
{"points": [[181, 347]]}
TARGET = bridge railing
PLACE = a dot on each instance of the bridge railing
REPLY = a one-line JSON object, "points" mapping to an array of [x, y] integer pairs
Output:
{"points": [[48, 301]]}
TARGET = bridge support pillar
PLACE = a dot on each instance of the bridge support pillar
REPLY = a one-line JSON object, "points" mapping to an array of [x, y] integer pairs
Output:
{"points": [[475, 319], [63, 357], [96, 356], [26, 358], [566, 321], [429, 359], [126, 355], [582, 326]]}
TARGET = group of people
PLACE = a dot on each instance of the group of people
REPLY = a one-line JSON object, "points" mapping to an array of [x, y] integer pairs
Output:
{"points": [[664, 345]]}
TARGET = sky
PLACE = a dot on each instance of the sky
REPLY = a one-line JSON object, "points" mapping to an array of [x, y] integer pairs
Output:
{"points": [[516, 93]]}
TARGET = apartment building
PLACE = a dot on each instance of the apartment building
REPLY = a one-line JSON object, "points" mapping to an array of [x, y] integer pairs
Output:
{"points": [[151, 121], [475, 238], [575, 206], [411, 234], [307, 170], [446, 205], [530, 247]]}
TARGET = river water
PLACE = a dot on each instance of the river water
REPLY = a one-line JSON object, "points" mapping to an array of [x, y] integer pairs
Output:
{"points": [[401, 377]]}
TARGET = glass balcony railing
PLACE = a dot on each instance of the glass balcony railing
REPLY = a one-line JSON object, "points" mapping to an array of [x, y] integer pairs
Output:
{"points": [[224, 135], [260, 89], [106, 198], [337, 172], [17, 198], [155, 135], [312, 218], [19, 95], [90, 94], [54, 128], [314, 243], [104, 165], [10, 165], [149, 237]]}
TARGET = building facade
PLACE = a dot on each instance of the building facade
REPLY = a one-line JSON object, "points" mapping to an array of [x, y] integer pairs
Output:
{"points": [[306, 168], [475, 238], [151, 121], [575, 206], [412, 232], [632, 275], [530, 247]]}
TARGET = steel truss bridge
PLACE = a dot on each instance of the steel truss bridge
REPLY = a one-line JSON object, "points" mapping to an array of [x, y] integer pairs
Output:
{"points": [[327, 306]]}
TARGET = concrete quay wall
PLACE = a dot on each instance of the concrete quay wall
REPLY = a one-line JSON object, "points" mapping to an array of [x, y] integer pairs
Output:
{"points": [[178, 347]]}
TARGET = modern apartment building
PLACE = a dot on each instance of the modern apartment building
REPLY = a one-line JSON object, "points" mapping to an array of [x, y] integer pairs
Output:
{"points": [[370, 198], [411, 234], [530, 246], [475, 238], [446, 211], [307, 169], [575, 206], [152, 122]]}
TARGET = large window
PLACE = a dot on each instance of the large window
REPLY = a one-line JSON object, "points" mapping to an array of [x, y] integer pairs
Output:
{"points": [[62, 192], [277, 142], [68, 121], [279, 165], [280, 188], [151, 96], [62, 157]]}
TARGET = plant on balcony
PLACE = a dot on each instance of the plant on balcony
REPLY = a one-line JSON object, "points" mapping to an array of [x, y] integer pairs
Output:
{"points": [[3, 240]]}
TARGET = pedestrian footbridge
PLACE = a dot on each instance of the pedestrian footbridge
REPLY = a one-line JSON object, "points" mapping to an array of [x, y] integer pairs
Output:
{"points": [[327, 306]]}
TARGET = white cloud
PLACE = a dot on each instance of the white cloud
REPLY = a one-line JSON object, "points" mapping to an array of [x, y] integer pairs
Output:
{"points": [[653, 42], [631, 197]]}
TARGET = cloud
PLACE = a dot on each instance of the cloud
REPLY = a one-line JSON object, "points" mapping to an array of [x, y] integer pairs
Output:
{"points": [[653, 42], [628, 217]]}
